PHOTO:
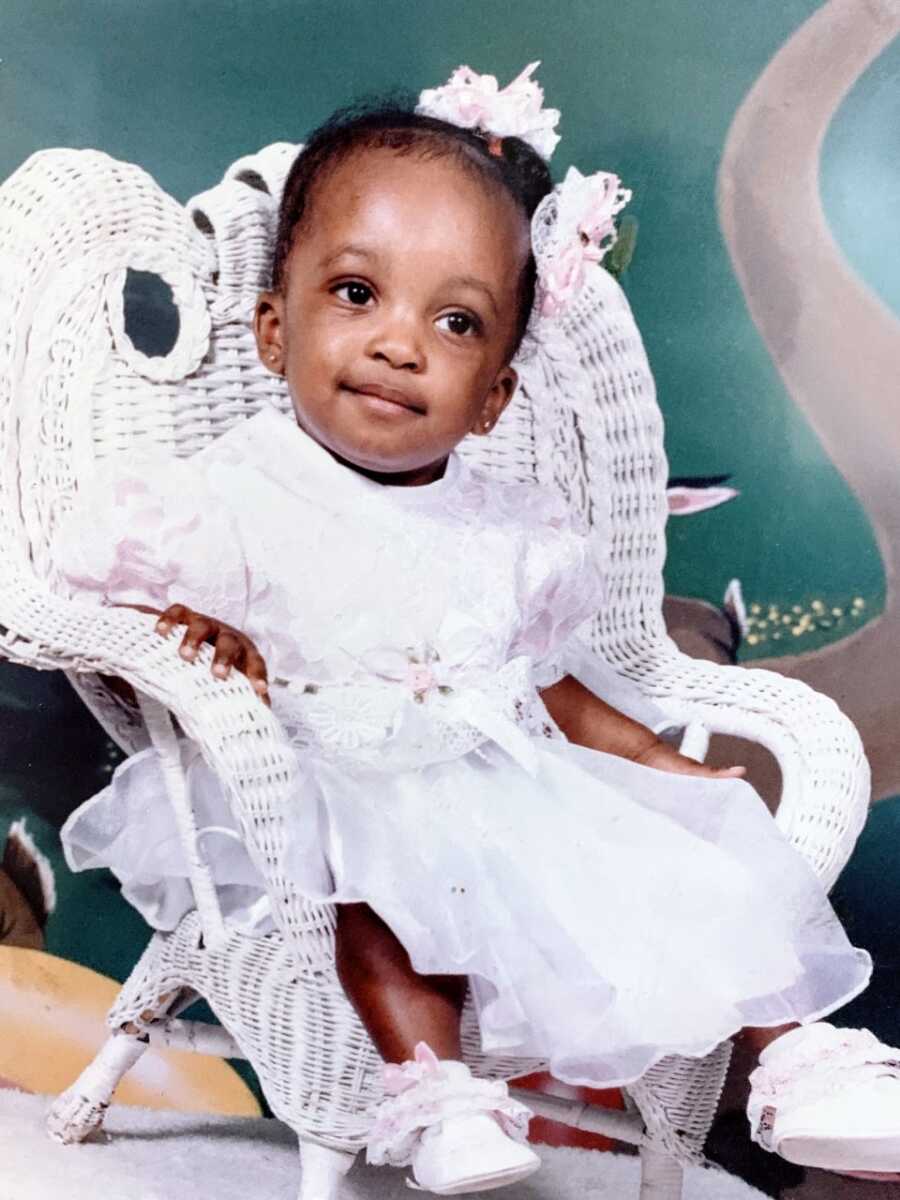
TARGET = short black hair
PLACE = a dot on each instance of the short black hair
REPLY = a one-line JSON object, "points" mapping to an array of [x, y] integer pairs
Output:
{"points": [[510, 165]]}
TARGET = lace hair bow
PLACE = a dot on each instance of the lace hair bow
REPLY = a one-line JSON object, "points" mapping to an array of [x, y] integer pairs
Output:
{"points": [[477, 102], [573, 227]]}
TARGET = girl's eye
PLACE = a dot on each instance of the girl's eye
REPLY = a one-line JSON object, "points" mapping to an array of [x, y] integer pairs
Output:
{"points": [[459, 323], [354, 292]]}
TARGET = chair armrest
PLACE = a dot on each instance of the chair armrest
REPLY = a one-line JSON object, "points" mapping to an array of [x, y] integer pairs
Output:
{"points": [[49, 632], [825, 774], [237, 734]]}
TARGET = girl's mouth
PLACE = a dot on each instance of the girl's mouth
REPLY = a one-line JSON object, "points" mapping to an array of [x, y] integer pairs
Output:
{"points": [[390, 401]]}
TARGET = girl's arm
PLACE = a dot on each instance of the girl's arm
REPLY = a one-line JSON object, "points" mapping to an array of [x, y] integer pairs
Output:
{"points": [[589, 721]]}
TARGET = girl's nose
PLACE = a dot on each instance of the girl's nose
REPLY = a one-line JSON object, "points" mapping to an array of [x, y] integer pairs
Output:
{"points": [[397, 341]]}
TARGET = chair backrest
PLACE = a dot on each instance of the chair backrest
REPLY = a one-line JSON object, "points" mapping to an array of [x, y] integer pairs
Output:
{"points": [[74, 387]]}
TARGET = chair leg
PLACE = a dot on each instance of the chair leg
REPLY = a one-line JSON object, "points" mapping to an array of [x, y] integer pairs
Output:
{"points": [[80, 1109], [662, 1176], [321, 1170]]}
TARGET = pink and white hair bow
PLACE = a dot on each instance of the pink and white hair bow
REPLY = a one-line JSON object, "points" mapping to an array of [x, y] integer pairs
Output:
{"points": [[476, 101], [572, 228]]}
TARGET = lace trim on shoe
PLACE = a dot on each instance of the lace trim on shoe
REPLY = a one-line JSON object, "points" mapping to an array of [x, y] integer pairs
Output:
{"points": [[432, 1091], [812, 1072]]}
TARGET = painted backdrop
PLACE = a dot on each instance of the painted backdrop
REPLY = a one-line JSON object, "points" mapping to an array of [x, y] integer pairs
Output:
{"points": [[761, 144]]}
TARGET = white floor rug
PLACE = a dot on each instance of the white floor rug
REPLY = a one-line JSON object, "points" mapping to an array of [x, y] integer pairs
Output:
{"points": [[169, 1156]]}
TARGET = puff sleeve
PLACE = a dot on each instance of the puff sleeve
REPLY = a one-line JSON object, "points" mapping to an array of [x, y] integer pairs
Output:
{"points": [[150, 530], [561, 586]]}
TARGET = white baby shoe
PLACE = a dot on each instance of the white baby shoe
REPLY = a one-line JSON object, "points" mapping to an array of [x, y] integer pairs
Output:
{"points": [[459, 1134], [829, 1098], [469, 1154]]}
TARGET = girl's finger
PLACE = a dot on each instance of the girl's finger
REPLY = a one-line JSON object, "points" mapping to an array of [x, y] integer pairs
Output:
{"points": [[731, 773], [199, 630], [228, 653], [175, 614], [256, 672]]}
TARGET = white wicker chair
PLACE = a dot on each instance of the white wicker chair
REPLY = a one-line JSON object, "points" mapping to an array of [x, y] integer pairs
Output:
{"points": [[75, 390]]}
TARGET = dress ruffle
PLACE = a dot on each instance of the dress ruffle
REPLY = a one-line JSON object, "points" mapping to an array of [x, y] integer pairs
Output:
{"points": [[606, 914]]}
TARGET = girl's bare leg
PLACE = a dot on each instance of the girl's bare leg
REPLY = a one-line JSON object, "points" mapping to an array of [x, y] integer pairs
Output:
{"points": [[397, 1006]]}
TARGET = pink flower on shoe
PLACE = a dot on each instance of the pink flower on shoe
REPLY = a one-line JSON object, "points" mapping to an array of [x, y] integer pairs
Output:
{"points": [[398, 1078], [425, 1091]]}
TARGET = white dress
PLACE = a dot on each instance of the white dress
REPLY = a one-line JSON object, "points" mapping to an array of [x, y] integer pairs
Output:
{"points": [[606, 913]]}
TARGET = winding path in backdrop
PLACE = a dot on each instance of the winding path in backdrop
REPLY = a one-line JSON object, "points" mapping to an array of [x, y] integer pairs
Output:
{"points": [[832, 339]]}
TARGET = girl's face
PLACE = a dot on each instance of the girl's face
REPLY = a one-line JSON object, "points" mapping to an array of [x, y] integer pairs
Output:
{"points": [[399, 307]]}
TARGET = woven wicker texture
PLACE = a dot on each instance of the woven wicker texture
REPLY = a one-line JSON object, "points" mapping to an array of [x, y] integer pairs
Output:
{"points": [[75, 390]]}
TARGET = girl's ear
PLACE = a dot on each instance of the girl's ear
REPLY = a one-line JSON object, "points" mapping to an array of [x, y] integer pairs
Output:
{"points": [[502, 391], [268, 328]]}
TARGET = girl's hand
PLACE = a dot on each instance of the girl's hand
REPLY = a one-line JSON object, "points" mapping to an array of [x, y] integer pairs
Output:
{"points": [[666, 758], [232, 648]]}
